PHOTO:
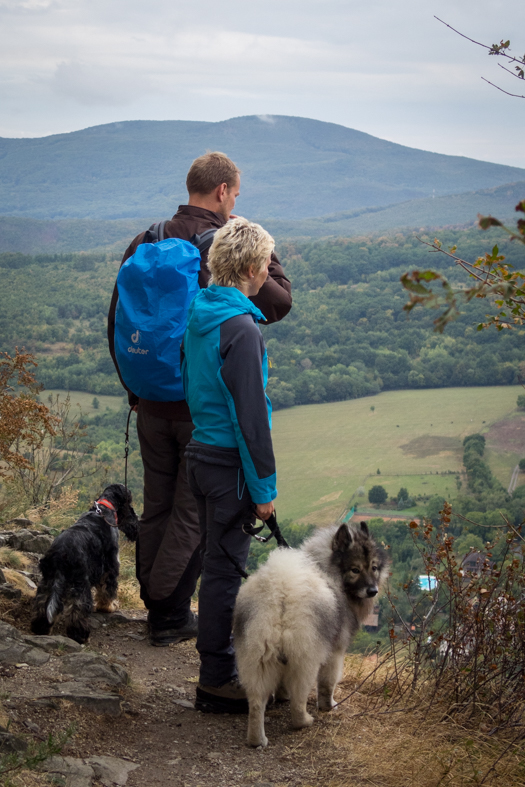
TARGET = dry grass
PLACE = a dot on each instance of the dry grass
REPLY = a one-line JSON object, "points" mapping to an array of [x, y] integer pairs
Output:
{"points": [[11, 558], [32, 779], [128, 587], [407, 749], [18, 581], [59, 513]]}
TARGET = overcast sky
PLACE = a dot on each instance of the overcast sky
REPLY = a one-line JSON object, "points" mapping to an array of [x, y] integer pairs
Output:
{"points": [[386, 67]]}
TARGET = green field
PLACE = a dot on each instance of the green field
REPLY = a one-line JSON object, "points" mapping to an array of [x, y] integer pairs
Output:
{"points": [[84, 401], [325, 452]]}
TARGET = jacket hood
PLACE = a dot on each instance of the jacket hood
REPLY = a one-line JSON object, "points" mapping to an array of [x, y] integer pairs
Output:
{"points": [[214, 305]]}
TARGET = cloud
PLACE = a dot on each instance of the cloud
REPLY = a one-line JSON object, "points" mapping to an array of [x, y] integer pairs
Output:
{"points": [[94, 86], [22, 6], [387, 67]]}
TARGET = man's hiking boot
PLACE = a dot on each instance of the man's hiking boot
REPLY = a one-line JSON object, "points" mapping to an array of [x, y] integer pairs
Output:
{"points": [[228, 698], [162, 637]]}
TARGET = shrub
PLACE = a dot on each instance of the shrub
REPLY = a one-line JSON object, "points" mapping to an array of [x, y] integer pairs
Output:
{"points": [[377, 494]]}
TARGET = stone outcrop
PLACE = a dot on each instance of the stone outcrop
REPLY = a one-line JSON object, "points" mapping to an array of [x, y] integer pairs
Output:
{"points": [[89, 671], [28, 541], [95, 668], [108, 771], [13, 649]]}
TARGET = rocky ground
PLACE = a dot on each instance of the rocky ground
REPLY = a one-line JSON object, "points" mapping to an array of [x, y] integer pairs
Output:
{"points": [[130, 706]]}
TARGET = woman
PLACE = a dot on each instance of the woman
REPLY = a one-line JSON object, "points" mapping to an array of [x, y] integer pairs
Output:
{"points": [[231, 466]]}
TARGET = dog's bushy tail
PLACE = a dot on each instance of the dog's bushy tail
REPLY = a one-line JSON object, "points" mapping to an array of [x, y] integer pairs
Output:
{"points": [[54, 603]]}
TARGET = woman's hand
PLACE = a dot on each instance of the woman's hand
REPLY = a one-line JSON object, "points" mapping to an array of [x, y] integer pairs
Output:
{"points": [[264, 510]]}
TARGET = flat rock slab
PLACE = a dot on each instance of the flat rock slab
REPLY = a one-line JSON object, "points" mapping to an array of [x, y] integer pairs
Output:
{"points": [[52, 643], [7, 630], [21, 521], [77, 772], [89, 665], [15, 651], [108, 771], [113, 619], [111, 770], [90, 698]]}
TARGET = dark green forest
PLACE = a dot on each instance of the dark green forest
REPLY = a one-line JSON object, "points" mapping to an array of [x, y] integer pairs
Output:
{"points": [[38, 236], [347, 335]]}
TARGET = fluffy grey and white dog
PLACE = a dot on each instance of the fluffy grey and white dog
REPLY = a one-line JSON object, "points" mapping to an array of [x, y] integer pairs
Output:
{"points": [[295, 618]]}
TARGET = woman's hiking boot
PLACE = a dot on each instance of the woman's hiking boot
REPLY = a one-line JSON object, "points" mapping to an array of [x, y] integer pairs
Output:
{"points": [[228, 698]]}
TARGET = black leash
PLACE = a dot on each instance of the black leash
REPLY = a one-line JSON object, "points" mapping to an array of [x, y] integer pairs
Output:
{"points": [[126, 449], [275, 531], [250, 530]]}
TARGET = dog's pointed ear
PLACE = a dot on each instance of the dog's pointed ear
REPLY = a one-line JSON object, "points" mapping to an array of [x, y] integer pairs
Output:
{"points": [[342, 539], [365, 530], [110, 517]]}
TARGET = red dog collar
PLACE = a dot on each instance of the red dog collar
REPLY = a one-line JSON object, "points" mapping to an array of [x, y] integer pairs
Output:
{"points": [[106, 504]]}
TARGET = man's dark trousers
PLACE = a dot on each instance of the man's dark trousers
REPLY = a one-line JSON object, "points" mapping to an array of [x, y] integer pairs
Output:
{"points": [[223, 500], [168, 547]]}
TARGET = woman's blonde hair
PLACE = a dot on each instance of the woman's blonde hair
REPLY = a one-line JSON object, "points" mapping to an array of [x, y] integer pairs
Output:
{"points": [[237, 246]]}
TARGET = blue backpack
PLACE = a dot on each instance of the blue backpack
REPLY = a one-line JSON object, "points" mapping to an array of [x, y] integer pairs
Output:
{"points": [[155, 288]]}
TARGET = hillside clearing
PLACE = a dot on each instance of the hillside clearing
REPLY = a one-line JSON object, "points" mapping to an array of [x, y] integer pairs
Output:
{"points": [[325, 452], [84, 401]]}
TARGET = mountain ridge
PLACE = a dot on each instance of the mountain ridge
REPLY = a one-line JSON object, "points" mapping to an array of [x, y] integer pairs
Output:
{"points": [[293, 168]]}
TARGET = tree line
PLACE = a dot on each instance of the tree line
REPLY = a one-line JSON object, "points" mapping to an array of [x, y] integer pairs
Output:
{"points": [[347, 335]]}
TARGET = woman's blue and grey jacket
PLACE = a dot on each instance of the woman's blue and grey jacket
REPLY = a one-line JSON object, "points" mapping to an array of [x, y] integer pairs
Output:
{"points": [[224, 371]]}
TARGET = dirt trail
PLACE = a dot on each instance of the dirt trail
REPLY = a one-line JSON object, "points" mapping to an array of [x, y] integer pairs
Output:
{"points": [[172, 743]]}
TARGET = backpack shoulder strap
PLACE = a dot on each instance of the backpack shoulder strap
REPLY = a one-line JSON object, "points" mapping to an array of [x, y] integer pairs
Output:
{"points": [[160, 229], [204, 241], [155, 233]]}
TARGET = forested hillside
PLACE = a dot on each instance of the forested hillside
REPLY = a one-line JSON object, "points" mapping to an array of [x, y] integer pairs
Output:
{"points": [[292, 168], [346, 336], [37, 236]]}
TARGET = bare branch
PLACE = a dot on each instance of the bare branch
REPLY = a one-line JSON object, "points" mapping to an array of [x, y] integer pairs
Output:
{"points": [[494, 49], [510, 72], [462, 34], [514, 95]]}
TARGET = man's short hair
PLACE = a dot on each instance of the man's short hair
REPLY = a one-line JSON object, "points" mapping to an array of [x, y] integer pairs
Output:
{"points": [[236, 246], [209, 171]]}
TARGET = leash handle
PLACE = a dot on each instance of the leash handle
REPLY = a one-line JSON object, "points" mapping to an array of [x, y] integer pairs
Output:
{"points": [[275, 531], [250, 530]]}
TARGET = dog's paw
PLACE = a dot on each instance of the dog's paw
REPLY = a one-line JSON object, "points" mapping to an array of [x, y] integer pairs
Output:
{"points": [[303, 720], [109, 606], [257, 742], [325, 704]]}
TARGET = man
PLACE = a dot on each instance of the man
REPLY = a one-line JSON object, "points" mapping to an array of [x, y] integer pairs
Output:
{"points": [[168, 553]]}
